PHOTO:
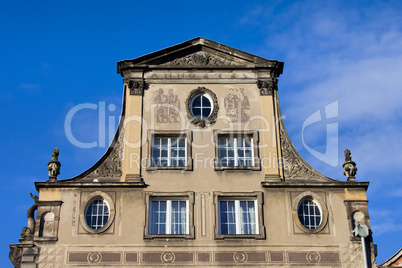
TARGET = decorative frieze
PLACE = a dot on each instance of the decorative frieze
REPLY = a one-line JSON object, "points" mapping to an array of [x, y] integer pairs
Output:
{"points": [[201, 59]]}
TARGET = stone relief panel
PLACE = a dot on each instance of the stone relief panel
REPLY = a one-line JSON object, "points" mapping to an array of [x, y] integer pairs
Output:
{"points": [[201, 59], [237, 105], [167, 107], [209, 258]]}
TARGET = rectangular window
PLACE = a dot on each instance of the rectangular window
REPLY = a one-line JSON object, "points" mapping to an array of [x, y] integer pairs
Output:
{"points": [[168, 217], [168, 151], [235, 151], [238, 217]]}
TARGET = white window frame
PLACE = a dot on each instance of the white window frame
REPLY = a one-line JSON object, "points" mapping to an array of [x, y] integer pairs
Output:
{"points": [[169, 149], [99, 226], [308, 215], [210, 101], [238, 216], [172, 196], [247, 136], [255, 196], [171, 135], [168, 222], [235, 149]]}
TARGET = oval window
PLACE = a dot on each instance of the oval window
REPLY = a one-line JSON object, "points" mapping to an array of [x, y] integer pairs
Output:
{"points": [[201, 106], [309, 213], [97, 214]]}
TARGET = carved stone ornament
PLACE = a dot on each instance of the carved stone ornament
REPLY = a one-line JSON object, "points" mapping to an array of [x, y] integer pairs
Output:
{"points": [[211, 119], [54, 165], [294, 166], [200, 59], [349, 167], [111, 166], [15, 255], [267, 86], [136, 86]]}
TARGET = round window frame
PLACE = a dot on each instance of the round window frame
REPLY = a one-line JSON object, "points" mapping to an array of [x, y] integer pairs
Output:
{"points": [[88, 200], [202, 95], [321, 205], [211, 119]]}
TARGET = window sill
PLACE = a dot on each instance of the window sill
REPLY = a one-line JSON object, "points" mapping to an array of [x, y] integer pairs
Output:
{"points": [[240, 236]]}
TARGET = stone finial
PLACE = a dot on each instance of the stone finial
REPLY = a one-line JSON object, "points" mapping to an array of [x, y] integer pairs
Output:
{"points": [[349, 167], [54, 165]]}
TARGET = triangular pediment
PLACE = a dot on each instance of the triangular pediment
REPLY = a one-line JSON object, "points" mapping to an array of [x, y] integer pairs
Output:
{"points": [[199, 52]]}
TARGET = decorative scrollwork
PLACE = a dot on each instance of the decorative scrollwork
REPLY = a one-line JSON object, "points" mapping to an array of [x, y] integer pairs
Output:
{"points": [[168, 257], [94, 257], [294, 166], [313, 257], [240, 257], [200, 59], [15, 255], [111, 166]]}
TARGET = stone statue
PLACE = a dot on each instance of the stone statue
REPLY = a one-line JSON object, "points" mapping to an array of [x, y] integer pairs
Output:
{"points": [[54, 165], [349, 167]]}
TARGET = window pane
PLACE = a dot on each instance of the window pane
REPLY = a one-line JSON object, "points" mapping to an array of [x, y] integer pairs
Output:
{"points": [[227, 217], [197, 101], [157, 217], [206, 112], [97, 214], [238, 149], [309, 214], [247, 218], [206, 102], [168, 151]]}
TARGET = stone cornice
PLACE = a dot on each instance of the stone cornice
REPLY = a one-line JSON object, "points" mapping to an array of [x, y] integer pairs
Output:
{"points": [[60, 184], [337, 184]]}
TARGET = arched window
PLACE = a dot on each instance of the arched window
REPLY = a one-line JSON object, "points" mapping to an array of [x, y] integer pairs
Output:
{"points": [[46, 227]]}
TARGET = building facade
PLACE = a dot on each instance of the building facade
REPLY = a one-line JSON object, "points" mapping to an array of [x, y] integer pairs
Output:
{"points": [[200, 173]]}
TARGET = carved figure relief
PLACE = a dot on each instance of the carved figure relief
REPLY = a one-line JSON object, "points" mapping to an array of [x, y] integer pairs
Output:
{"points": [[201, 59], [167, 107], [237, 105]]}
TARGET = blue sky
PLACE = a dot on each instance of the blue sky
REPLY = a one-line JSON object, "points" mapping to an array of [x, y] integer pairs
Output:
{"points": [[56, 55]]}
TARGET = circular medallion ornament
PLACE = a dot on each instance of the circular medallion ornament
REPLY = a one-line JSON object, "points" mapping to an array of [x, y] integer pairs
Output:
{"points": [[167, 257], [240, 257], [94, 257], [202, 107], [313, 257]]}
